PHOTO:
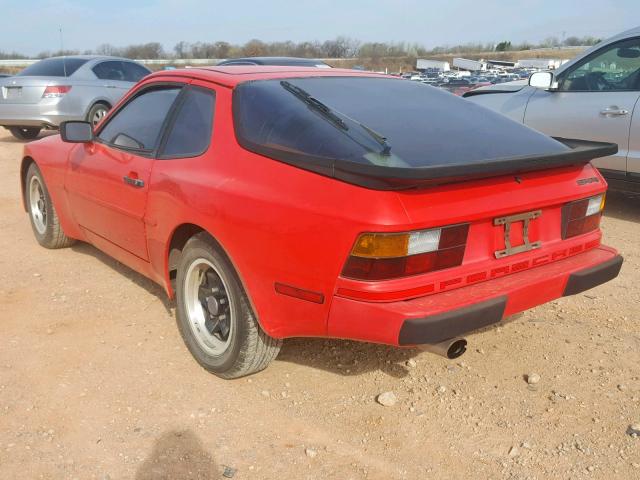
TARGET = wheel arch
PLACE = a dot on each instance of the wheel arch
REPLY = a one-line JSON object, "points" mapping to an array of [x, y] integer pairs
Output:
{"points": [[176, 243], [96, 101], [24, 168]]}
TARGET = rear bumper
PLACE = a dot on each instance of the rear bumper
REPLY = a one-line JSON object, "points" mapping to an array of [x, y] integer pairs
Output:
{"points": [[34, 115], [433, 318]]}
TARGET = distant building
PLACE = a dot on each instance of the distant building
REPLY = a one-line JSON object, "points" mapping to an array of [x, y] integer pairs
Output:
{"points": [[501, 63], [542, 63], [471, 65], [424, 64]]}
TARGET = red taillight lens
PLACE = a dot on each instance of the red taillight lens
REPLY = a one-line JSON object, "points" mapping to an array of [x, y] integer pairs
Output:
{"points": [[386, 256], [582, 216], [53, 91]]}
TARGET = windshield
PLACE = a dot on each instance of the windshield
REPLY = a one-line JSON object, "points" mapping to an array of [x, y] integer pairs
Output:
{"points": [[376, 121], [53, 67]]}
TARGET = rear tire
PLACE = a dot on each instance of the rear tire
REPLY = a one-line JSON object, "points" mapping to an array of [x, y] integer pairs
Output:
{"points": [[25, 133], [214, 316], [97, 113], [44, 219]]}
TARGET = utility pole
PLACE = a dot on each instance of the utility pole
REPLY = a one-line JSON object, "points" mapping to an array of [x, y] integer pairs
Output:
{"points": [[64, 63]]}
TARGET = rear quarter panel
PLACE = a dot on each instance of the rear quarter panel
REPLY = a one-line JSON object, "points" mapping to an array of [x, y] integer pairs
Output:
{"points": [[277, 223], [83, 95]]}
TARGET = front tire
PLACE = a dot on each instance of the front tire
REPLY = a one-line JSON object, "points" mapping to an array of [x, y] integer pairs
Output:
{"points": [[214, 316], [44, 219], [25, 133]]}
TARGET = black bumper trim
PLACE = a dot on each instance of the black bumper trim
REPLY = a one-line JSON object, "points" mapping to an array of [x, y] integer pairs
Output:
{"points": [[593, 276], [436, 328]]}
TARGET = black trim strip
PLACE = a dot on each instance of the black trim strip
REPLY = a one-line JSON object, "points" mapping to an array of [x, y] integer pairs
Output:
{"points": [[593, 276], [437, 328], [608, 173], [474, 93], [623, 185]]}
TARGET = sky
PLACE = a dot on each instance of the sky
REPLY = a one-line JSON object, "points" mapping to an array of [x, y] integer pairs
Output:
{"points": [[32, 26]]}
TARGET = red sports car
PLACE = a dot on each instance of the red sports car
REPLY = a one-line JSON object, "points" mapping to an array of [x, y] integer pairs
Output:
{"points": [[275, 202]]}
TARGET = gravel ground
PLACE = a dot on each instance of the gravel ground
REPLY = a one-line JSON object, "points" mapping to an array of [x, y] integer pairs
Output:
{"points": [[95, 382]]}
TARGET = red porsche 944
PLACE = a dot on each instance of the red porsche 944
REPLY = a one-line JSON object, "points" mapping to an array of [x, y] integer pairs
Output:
{"points": [[277, 202]]}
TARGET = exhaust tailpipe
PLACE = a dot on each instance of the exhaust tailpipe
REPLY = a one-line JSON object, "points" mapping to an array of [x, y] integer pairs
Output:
{"points": [[451, 348]]}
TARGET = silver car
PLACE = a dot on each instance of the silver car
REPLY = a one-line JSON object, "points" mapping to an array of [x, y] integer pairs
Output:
{"points": [[595, 96], [57, 89]]}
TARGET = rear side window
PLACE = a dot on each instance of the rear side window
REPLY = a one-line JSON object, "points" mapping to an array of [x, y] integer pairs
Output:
{"points": [[134, 72], [190, 133], [53, 67], [138, 124], [111, 70]]}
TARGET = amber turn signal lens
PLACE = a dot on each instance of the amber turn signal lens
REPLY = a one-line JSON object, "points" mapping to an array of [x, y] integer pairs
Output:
{"points": [[379, 245], [381, 256]]}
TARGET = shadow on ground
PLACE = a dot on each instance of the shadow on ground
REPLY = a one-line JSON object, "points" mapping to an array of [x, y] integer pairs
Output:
{"points": [[623, 206], [178, 454], [6, 137], [140, 280], [347, 358]]}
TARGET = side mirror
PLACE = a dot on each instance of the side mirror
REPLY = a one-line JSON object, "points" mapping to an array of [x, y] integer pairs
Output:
{"points": [[76, 132], [543, 80]]}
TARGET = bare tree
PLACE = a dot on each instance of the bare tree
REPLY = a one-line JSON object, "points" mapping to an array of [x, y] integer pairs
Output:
{"points": [[341, 47], [150, 50], [108, 49], [254, 48], [182, 49]]}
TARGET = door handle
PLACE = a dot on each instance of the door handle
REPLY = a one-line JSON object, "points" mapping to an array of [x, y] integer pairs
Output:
{"points": [[614, 111], [110, 86], [134, 182]]}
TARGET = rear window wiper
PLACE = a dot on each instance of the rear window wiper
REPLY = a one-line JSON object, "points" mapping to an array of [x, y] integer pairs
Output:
{"points": [[316, 104], [334, 116]]}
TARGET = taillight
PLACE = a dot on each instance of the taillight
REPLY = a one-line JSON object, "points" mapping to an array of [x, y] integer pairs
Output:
{"points": [[382, 256], [54, 91], [582, 216]]}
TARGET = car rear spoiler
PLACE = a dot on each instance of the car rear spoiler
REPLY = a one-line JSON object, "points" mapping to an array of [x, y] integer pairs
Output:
{"points": [[393, 178]]}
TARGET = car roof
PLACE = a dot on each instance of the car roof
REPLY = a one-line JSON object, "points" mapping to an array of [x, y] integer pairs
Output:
{"points": [[89, 57], [233, 75], [275, 61]]}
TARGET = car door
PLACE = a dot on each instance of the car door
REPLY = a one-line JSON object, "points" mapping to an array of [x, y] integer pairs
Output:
{"points": [[113, 76], [107, 180], [594, 100]]}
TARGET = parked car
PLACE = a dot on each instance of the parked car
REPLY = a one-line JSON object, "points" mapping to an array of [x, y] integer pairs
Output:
{"points": [[275, 61], [56, 89], [594, 96], [276, 203], [4, 75]]}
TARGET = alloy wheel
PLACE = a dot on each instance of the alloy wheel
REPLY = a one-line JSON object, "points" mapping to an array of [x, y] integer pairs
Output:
{"points": [[38, 205], [208, 306]]}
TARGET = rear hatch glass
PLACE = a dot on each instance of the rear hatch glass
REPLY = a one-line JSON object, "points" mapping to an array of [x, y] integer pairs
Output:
{"points": [[328, 124], [53, 67]]}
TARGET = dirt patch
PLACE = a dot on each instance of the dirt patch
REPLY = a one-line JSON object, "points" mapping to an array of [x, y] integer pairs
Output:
{"points": [[96, 383]]}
